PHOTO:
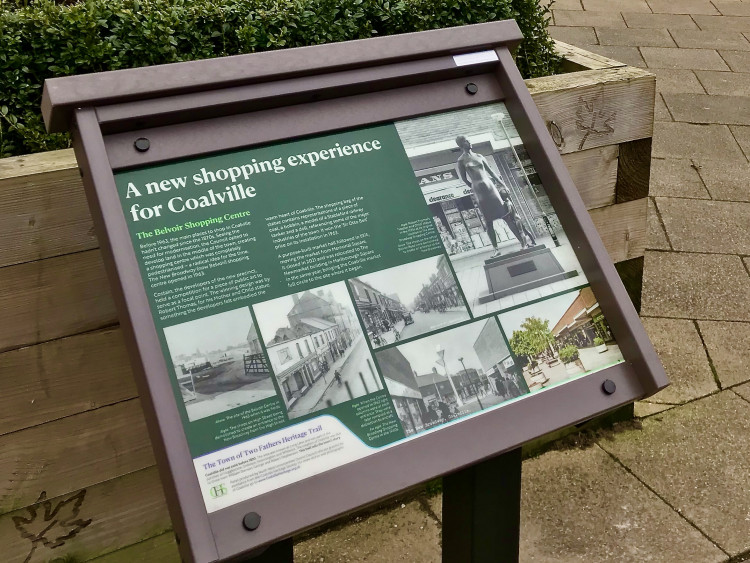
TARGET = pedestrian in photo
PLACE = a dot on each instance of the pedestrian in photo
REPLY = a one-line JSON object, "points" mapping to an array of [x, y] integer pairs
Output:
{"points": [[337, 376]]}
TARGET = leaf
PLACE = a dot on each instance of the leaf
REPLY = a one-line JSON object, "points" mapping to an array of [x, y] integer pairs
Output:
{"points": [[51, 525], [592, 117]]}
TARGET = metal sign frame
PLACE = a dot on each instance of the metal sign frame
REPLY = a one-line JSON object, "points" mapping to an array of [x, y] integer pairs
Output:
{"points": [[215, 105]]}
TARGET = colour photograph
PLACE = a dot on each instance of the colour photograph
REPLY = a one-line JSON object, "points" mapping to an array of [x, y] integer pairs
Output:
{"points": [[561, 338], [219, 363], [450, 375], [317, 350], [494, 216]]}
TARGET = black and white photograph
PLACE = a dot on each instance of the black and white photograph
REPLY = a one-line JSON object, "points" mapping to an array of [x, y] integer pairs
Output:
{"points": [[560, 339], [219, 363], [408, 300], [317, 350], [450, 375], [493, 215]]}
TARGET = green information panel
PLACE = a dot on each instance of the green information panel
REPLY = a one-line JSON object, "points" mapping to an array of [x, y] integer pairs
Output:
{"points": [[323, 299]]}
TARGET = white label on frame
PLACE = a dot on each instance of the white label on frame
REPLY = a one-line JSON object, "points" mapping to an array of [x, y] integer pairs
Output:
{"points": [[475, 58]]}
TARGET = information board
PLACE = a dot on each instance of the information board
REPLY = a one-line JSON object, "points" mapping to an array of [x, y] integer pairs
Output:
{"points": [[317, 303], [342, 271]]}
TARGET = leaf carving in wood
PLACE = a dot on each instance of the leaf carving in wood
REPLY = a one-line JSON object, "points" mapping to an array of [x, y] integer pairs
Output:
{"points": [[51, 525], [593, 117]]}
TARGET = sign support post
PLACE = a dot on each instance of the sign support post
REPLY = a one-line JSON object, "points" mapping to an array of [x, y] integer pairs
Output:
{"points": [[482, 511]]}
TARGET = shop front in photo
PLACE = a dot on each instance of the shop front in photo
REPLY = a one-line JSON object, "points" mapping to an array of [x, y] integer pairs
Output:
{"points": [[431, 146], [295, 363]]}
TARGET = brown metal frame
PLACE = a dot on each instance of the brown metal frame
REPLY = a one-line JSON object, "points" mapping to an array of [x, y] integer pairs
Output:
{"points": [[235, 102]]}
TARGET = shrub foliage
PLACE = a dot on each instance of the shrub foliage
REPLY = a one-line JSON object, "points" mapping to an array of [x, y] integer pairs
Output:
{"points": [[44, 39]]}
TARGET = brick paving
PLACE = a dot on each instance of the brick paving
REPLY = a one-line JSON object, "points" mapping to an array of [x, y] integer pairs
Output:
{"points": [[675, 488]]}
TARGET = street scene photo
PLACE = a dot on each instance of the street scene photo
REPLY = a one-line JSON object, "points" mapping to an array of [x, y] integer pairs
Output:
{"points": [[560, 339], [219, 363], [450, 375], [494, 216], [408, 300], [317, 350]]}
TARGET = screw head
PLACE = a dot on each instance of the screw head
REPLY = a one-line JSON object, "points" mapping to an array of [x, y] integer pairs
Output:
{"points": [[142, 144], [472, 88], [251, 521], [609, 386]]}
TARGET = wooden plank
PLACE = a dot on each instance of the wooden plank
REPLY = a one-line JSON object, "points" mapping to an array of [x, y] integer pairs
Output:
{"points": [[596, 107], [161, 549], [633, 170], [622, 228], [63, 456], [62, 378], [113, 514], [53, 298], [594, 172], [43, 209], [576, 59]]}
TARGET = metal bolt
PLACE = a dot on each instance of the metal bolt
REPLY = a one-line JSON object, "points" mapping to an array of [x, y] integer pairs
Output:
{"points": [[472, 88], [142, 144], [609, 386], [251, 521]]}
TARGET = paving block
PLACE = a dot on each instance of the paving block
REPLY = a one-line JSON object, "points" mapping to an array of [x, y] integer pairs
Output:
{"points": [[703, 142], [657, 239], [634, 37], [405, 533], [695, 286], [694, 59], [723, 83], [681, 353], [575, 18], [738, 61], [693, 225], [659, 21], [628, 55], [682, 7], [728, 344], [676, 178], [661, 113], [669, 80], [704, 108], [579, 36], [695, 458], [582, 506], [727, 181], [616, 6], [563, 4], [642, 409], [692, 39], [732, 8], [743, 391], [742, 135], [726, 23]]}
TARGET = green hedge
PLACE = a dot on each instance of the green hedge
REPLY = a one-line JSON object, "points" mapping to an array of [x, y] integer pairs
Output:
{"points": [[45, 39]]}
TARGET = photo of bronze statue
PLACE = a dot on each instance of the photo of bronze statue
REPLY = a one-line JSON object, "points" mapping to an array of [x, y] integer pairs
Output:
{"points": [[494, 202]]}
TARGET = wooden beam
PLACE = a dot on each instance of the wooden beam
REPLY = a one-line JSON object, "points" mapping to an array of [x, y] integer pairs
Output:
{"points": [[633, 170], [43, 209], [63, 456], [594, 172], [52, 298], [594, 108], [112, 514], [161, 549], [63, 377], [622, 228], [576, 59]]}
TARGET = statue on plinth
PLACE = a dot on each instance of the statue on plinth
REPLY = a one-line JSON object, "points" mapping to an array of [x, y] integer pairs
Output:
{"points": [[494, 203]]}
